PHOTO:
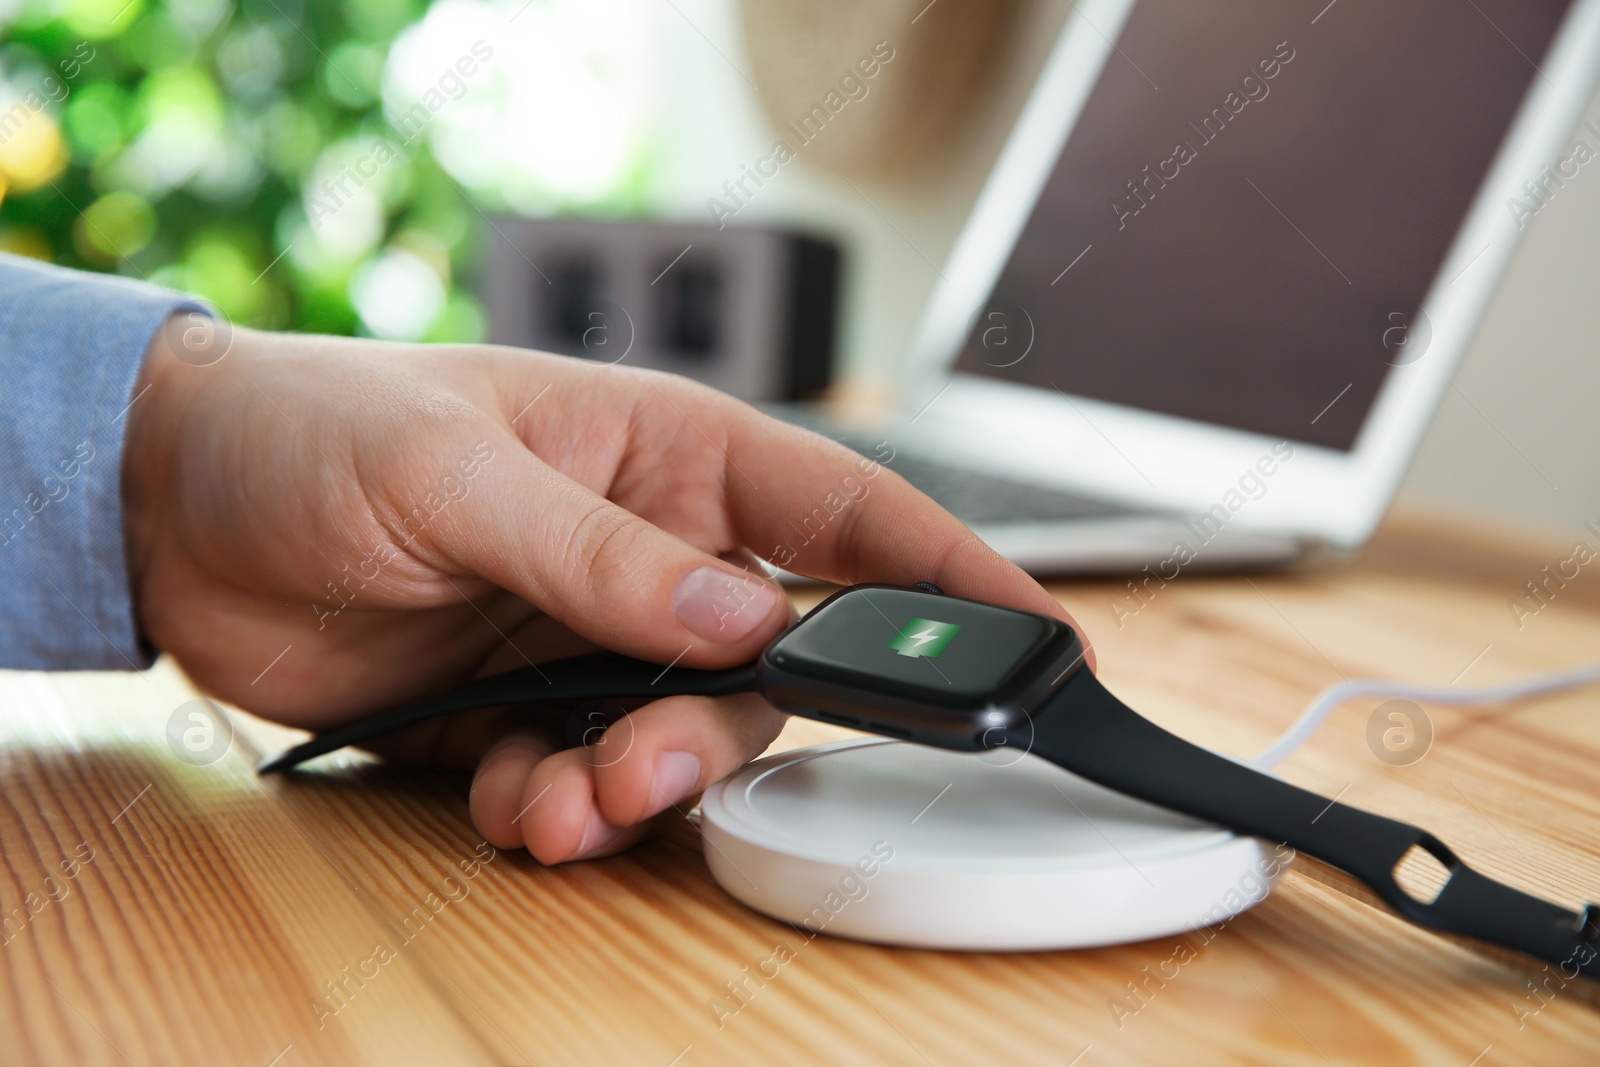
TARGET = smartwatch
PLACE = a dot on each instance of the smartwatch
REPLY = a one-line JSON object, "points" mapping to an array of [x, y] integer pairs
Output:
{"points": [[959, 674]]}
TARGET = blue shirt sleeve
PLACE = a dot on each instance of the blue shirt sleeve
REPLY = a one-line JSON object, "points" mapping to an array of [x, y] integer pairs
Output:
{"points": [[71, 347]]}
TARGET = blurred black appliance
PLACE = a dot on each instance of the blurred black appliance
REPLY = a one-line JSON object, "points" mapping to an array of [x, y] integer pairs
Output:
{"points": [[750, 311]]}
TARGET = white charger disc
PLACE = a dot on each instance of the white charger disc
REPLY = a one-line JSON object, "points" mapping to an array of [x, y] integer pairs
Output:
{"points": [[902, 844]]}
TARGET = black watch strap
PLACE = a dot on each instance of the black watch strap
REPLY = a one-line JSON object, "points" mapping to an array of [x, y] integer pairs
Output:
{"points": [[596, 676], [1086, 730]]}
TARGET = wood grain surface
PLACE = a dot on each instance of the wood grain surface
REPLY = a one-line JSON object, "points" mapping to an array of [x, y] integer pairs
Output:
{"points": [[161, 913]]}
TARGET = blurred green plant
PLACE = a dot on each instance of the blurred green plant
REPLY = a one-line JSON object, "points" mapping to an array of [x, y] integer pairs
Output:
{"points": [[186, 141]]}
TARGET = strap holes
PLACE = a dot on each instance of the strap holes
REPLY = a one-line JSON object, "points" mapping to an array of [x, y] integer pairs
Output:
{"points": [[1421, 875]]}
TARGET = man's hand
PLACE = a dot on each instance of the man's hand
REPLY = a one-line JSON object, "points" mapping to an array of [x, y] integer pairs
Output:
{"points": [[404, 518]]}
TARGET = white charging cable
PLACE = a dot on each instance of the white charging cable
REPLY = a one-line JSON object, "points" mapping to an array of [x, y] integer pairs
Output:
{"points": [[1332, 697]]}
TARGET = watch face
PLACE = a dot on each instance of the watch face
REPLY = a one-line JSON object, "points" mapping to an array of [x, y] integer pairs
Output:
{"points": [[919, 646]]}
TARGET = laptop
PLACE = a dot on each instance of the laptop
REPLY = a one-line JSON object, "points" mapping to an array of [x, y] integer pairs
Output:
{"points": [[1222, 271]]}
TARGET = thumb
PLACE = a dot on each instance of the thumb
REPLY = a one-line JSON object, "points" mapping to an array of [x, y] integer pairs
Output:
{"points": [[603, 571]]}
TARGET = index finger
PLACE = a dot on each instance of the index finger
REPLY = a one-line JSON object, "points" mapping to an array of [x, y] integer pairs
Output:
{"points": [[814, 507]]}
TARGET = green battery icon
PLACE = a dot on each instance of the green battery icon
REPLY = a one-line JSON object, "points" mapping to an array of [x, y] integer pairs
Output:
{"points": [[924, 637]]}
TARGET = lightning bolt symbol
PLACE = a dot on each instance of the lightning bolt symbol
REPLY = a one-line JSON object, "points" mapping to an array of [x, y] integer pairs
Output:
{"points": [[926, 635]]}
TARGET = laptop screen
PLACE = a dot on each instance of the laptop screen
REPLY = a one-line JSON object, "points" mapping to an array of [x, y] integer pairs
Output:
{"points": [[1244, 220]]}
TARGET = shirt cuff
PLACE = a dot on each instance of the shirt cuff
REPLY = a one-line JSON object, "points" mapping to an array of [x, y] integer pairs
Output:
{"points": [[71, 348]]}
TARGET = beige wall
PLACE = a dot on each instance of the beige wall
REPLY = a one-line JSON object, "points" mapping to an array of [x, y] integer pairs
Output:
{"points": [[706, 125], [1519, 436], [1527, 452]]}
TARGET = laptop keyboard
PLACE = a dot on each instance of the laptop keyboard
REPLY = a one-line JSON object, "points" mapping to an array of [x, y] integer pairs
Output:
{"points": [[984, 498], [973, 496]]}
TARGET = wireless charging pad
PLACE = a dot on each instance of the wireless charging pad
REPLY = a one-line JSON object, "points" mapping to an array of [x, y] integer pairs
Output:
{"points": [[902, 844]]}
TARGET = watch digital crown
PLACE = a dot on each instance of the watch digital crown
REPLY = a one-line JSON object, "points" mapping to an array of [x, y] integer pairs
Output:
{"points": [[924, 637]]}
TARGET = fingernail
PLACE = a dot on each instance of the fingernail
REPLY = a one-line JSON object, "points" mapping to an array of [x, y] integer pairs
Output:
{"points": [[720, 606], [677, 775], [597, 834]]}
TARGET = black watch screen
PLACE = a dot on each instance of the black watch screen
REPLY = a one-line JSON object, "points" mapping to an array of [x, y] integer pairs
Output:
{"points": [[922, 647]]}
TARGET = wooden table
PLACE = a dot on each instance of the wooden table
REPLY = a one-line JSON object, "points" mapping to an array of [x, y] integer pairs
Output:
{"points": [[174, 914]]}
